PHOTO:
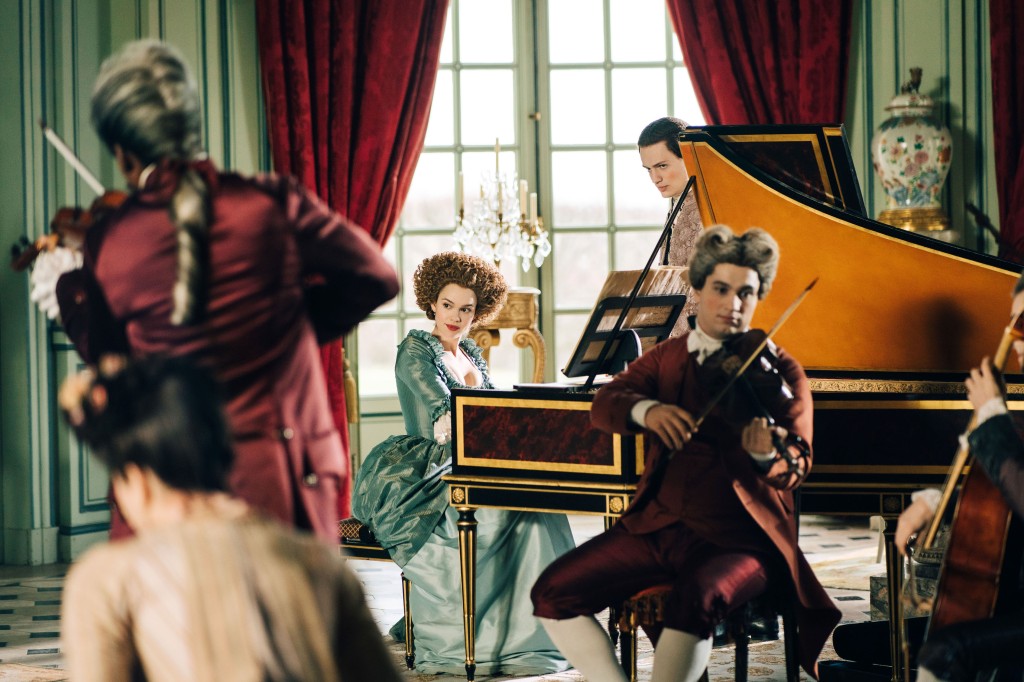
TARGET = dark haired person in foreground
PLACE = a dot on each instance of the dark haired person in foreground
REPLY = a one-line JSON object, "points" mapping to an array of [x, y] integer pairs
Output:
{"points": [[207, 590], [713, 512]]}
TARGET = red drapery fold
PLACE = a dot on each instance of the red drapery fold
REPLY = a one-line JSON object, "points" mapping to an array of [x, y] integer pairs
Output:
{"points": [[756, 62], [347, 86], [1006, 25]]}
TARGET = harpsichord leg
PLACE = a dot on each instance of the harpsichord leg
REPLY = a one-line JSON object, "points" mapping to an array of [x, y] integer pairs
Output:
{"points": [[467, 554]]}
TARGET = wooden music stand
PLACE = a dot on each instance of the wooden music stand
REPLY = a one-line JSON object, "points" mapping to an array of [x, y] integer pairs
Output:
{"points": [[649, 320]]}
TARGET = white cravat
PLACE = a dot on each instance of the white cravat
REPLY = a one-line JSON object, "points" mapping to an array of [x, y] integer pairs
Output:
{"points": [[700, 343]]}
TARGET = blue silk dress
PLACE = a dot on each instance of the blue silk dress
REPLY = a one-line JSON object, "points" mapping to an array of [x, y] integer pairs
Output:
{"points": [[399, 494]]}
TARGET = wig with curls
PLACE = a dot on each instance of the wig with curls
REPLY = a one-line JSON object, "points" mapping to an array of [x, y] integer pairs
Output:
{"points": [[754, 249], [470, 272]]}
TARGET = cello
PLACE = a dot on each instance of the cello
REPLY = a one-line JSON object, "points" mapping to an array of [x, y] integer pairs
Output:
{"points": [[984, 538]]}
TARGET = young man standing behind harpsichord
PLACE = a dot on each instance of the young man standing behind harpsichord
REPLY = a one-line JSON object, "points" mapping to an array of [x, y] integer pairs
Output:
{"points": [[713, 513], [660, 156]]}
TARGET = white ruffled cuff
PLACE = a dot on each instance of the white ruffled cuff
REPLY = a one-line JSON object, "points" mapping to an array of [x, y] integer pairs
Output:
{"points": [[48, 267], [993, 407], [930, 496], [443, 428]]}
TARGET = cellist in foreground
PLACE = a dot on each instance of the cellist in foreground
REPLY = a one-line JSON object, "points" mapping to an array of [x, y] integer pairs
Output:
{"points": [[959, 651]]}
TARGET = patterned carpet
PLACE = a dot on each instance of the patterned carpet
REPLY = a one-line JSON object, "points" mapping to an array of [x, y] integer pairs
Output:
{"points": [[842, 551]]}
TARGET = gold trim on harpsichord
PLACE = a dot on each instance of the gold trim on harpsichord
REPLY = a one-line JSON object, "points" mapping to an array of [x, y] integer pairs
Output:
{"points": [[541, 485], [888, 386], [831, 218], [905, 405], [616, 498], [793, 137], [878, 469], [488, 463]]}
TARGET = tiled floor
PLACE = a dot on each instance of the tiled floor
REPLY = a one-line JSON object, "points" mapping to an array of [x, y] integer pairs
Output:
{"points": [[843, 552]]}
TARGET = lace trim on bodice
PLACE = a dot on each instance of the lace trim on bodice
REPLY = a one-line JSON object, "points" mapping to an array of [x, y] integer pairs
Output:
{"points": [[469, 347]]}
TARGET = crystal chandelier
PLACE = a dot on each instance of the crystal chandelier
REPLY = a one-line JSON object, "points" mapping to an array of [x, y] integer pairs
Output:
{"points": [[492, 230]]}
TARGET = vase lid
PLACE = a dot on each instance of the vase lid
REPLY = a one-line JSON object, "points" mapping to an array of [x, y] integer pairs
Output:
{"points": [[910, 101]]}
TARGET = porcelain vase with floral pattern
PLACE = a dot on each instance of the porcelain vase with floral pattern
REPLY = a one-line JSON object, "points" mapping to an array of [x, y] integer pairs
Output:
{"points": [[911, 153]]}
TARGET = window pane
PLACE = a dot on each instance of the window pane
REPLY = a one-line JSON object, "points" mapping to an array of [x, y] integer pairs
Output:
{"points": [[577, 106], [686, 106], [414, 250], [638, 30], [446, 42], [634, 247], [441, 124], [568, 329], [431, 200], [580, 262], [488, 106], [378, 341], [579, 188], [485, 31], [576, 31], [637, 200], [639, 96]]}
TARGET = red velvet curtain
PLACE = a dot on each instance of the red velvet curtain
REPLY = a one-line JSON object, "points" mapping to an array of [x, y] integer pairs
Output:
{"points": [[347, 86], [1006, 25], [758, 62]]}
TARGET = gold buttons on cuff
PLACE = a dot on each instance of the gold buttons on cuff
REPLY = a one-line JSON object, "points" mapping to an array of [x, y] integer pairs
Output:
{"points": [[287, 433], [310, 480]]}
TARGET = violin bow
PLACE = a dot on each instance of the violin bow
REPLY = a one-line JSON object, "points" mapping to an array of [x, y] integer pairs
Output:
{"points": [[757, 351], [69, 156]]}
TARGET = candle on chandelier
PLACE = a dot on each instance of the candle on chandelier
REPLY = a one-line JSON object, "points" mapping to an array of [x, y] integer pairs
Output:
{"points": [[458, 194], [522, 197], [497, 156], [533, 208]]}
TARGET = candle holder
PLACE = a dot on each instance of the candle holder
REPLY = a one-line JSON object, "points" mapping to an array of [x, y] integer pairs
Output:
{"points": [[503, 223]]}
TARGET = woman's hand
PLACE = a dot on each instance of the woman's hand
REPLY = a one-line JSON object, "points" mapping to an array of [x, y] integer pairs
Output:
{"points": [[983, 384], [672, 424]]}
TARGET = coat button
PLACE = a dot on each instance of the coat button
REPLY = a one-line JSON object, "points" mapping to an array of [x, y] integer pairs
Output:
{"points": [[287, 433], [310, 480]]}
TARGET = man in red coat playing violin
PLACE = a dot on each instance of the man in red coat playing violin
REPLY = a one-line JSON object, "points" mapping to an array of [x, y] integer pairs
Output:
{"points": [[962, 650], [243, 275], [713, 512]]}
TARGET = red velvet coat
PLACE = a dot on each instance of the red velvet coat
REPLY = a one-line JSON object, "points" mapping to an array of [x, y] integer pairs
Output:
{"points": [[281, 265], [660, 374]]}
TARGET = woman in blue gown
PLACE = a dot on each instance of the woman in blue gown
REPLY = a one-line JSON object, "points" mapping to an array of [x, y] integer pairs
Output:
{"points": [[399, 493]]}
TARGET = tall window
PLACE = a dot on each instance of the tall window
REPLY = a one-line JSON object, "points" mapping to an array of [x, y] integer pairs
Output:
{"points": [[567, 86]]}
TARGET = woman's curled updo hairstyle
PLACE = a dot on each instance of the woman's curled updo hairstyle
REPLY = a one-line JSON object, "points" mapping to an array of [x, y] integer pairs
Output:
{"points": [[470, 272], [754, 249]]}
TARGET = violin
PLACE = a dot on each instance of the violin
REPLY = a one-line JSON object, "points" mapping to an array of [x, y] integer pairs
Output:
{"points": [[67, 228], [69, 224], [760, 391]]}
